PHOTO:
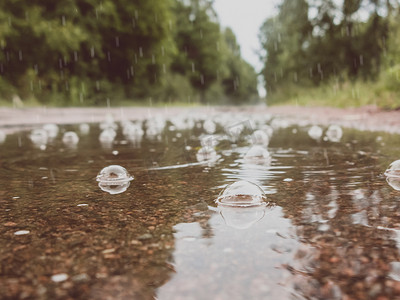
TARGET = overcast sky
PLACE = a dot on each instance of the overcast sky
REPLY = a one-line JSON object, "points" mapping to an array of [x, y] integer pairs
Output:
{"points": [[245, 17]]}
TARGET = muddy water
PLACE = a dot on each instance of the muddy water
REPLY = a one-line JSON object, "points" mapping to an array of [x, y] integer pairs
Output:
{"points": [[331, 228]]}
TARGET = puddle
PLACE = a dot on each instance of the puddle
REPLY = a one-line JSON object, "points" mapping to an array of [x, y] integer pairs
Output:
{"points": [[329, 228]]}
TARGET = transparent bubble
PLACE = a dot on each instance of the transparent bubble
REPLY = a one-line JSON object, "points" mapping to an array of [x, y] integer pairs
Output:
{"points": [[260, 137], [114, 174], [393, 170], [268, 130], [2, 136], [242, 194], [131, 130], [257, 155], [51, 129], [38, 137], [114, 188], [70, 138], [206, 154], [334, 133], [209, 126], [84, 128], [315, 132], [208, 140], [107, 135], [242, 217]]}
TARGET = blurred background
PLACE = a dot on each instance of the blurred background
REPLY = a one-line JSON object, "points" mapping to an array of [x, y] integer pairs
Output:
{"points": [[185, 52]]}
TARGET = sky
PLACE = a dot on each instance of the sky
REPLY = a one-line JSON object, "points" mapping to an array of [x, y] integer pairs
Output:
{"points": [[245, 18]]}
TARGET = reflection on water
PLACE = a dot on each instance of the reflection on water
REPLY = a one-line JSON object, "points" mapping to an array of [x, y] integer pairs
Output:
{"points": [[332, 232]]}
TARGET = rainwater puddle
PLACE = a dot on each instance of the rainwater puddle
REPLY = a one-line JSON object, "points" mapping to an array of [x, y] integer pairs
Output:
{"points": [[324, 222]]}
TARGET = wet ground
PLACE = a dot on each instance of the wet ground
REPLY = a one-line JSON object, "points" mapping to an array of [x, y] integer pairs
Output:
{"points": [[330, 230]]}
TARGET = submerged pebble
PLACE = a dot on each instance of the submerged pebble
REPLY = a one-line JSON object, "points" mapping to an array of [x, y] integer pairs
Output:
{"points": [[242, 194]]}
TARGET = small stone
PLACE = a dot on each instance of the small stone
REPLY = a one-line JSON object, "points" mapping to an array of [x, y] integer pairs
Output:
{"points": [[81, 278], [59, 277], [21, 232], [145, 236], [10, 224]]}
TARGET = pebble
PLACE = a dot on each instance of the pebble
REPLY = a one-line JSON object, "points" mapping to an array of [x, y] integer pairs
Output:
{"points": [[59, 277], [21, 232]]}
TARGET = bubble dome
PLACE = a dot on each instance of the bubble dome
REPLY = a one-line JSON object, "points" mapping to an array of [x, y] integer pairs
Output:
{"points": [[260, 137], [114, 175], [393, 170], [114, 188], [242, 194], [206, 153], [70, 138], [315, 132], [257, 155], [334, 133]]}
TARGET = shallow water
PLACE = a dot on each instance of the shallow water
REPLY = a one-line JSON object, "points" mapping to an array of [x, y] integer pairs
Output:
{"points": [[331, 228]]}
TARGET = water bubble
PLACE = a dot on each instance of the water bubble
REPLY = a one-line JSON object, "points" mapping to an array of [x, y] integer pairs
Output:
{"points": [[242, 217], [114, 179], [206, 154], [51, 129], [334, 133], [2, 136], [107, 135], [70, 138], [208, 140], [209, 126], [260, 137], [84, 128], [315, 132], [242, 194], [114, 174], [393, 170], [38, 137], [258, 155]]}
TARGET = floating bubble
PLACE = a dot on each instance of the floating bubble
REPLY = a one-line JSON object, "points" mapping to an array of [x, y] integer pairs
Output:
{"points": [[38, 137], [114, 174], [257, 155], [206, 154], [107, 135], [2, 136], [70, 138], [51, 129], [114, 188], [208, 140], [84, 128], [242, 194], [315, 132], [334, 133], [393, 170], [209, 126], [132, 130], [393, 175], [260, 137], [242, 217]]}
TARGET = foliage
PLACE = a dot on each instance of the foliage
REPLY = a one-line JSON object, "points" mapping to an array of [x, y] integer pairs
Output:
{"points": [[81, 52]]}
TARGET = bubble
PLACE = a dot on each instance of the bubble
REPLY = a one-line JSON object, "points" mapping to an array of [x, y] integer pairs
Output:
{"points": [[260, 137], [209, 126], [393, 170], [84, 128], [242, 217], [393, 175], [51, 129], [315, 132], [2, 136], [70, 138], [114, 179], [334, 133], [206, 154], [107, 135], [258, 155], [208, 140], [38, 137], [114, 174], [242, 194]]}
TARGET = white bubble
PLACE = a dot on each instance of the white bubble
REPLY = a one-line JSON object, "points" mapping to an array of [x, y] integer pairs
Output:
{"points": [[393, 170], [259, 137], [84, 128], [51, 129], [242, 194], [209, 126], [257, 155], [334, 133], [114, 188], [38, 137], [208, 140], [70, 138], [107, 135], [206, 154], [114, 174], [315, 132]]}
